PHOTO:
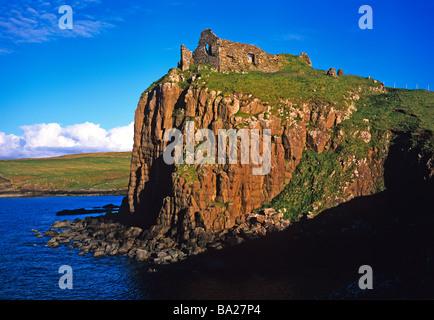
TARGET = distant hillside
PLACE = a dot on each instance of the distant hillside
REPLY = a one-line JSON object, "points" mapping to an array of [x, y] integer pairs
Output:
{"points": [[93, 173]]}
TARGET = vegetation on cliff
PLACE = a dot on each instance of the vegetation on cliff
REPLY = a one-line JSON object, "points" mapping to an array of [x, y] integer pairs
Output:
{"points": [[331, 135], [296, 81], [321, 179]]}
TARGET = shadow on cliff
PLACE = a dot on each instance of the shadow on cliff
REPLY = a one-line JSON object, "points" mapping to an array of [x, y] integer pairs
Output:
{"points": [[391, 231], [150, 200], [317, 257]]}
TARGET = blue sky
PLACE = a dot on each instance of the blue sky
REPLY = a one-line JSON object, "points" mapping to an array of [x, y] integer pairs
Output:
{"points": [[76, 90]]}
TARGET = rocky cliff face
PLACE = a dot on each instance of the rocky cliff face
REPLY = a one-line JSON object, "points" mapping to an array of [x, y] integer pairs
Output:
{"points": [[180, 198], [301, 115]]}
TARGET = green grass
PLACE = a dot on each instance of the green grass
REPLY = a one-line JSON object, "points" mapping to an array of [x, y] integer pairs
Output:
{"points": [[219, 205], [243, 114], [321, 177], [95, 171], [317, 177], [189, 172], [296, 82], [399, 109]]}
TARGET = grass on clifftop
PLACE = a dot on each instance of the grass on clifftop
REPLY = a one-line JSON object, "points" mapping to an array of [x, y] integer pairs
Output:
{"points": [[297, 82], [90, 171]]}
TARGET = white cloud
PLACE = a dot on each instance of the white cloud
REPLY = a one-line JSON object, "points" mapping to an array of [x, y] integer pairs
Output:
{"points": [[8, 142], [87, 135], [121, 138], [293, 36], [50, 140], [45, 135], [38, 21], [5, 51]]}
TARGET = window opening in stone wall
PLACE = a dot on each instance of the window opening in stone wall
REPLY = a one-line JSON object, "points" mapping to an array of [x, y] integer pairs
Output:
{"points": [[208, 49]]}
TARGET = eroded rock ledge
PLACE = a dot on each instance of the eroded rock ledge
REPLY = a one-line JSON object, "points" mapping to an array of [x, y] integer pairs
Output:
{"points": [[102, 236]]}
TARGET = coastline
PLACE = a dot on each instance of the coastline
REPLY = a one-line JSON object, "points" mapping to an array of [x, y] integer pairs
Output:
{"points": [[329, 247], [59, 193]]}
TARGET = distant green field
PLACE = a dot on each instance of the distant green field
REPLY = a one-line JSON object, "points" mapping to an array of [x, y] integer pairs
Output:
{"points": [[89, 171]]}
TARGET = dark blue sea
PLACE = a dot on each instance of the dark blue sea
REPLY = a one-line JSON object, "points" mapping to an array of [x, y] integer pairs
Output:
{"points": [[30, 270]]}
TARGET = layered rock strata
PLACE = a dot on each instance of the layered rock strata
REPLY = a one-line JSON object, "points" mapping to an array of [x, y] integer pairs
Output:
{"points": [[181, 198]]}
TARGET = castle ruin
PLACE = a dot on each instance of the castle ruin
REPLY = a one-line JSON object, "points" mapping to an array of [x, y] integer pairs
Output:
{"points": [[225, 55]]}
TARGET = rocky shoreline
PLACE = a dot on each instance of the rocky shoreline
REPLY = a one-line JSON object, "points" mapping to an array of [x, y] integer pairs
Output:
{"points": [[109, 208], [102, 236]]}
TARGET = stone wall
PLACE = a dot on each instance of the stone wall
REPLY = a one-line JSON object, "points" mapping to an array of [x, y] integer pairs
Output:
{"points": [[208, 49], [186, 59], [229, 56]]}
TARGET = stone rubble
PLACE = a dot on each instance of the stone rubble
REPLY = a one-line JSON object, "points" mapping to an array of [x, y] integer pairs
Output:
{"points": [[102, 237]]}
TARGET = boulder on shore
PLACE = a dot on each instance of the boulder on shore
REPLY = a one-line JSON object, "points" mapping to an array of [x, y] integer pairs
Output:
{"points": [[52, 243]]}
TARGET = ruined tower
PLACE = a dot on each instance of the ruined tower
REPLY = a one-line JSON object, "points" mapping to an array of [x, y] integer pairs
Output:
{"points": [[225, 55]]}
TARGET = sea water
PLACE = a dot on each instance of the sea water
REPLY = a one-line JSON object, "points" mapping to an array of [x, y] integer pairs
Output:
{"points": [[30, 270]]}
